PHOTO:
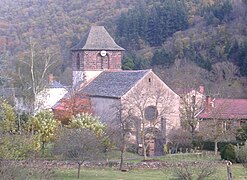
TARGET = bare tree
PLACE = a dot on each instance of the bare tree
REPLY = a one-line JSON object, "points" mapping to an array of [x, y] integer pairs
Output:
{"points": [[225, 71], [33, 68], [78, 144], [226, 81], [217, 127], [191, 105]]}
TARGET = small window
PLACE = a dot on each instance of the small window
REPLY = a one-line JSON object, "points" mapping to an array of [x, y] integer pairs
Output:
{"points": [[149, 79], [193, 99], [78, 62], [242, 122]]}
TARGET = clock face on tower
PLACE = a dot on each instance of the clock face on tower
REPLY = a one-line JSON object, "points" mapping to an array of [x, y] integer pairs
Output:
{"points": [[103, 53]]}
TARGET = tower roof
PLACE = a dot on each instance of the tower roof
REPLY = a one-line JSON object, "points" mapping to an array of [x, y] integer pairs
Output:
{"points": [[97, 39]]}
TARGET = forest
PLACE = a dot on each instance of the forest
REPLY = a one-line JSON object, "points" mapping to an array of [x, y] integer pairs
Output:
{"points": [[187, 43]]}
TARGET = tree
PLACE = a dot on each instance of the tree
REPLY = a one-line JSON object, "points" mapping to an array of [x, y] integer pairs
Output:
{"points": [[191, 105], [241, 134], [119, 130], [72, 104], [43, 126], [8, 119], [216, 128], [33, 68], [14, 144], [81, 140], [3, 65]]}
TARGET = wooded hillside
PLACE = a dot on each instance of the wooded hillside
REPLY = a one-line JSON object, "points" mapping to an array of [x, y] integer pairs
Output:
{"points": [[195, 41]]}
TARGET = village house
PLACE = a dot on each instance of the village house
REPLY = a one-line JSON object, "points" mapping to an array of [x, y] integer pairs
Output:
{"points": [[50, 95], [230, 112], [97, 74]]}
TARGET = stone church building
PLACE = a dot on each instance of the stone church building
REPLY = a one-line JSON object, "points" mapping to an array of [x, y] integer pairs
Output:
{"points": [[139, 95]]}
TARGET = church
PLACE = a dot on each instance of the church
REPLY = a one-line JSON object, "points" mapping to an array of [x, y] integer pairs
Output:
{"points": [[112, 93]]}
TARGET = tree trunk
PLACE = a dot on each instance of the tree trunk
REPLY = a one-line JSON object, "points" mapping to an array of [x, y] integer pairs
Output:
{"points": [[193, 133], [123, 146], [215, 148], [144, 149], [43, 148], [121, 158], [79, 169]]}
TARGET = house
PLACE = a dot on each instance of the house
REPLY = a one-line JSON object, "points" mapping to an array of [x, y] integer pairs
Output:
{"points": [[231, 112], [50, 95], [115, 93]]}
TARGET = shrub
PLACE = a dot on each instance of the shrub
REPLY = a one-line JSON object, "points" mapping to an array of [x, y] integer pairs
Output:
{"points": [[209, 145], [132, 148], [16, 147], [193, 170], [228, 153], [241, 153]]}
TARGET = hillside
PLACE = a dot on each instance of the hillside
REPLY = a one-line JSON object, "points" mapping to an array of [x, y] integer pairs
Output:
{"points": [[167, 35], [206, 40]]}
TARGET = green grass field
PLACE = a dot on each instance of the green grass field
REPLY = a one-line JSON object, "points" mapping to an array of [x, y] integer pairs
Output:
{"points": [[107, 173], [239, 173]]}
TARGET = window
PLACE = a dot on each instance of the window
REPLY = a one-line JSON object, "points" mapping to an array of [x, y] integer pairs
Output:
{"points": [[193, 99], [242, 122], [151, 113], [78, 62]]}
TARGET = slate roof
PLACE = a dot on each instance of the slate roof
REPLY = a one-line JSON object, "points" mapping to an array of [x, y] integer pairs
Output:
{"points": [[113, 83], [55, 84], [227, 109], [97, 39]]}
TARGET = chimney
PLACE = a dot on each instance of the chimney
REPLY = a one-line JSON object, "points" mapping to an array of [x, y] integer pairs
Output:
{"points": [[50, 78], [201, 89], [208, 104]]}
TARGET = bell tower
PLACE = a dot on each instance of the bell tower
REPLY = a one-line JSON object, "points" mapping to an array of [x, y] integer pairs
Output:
{"points": [[94, 54]]}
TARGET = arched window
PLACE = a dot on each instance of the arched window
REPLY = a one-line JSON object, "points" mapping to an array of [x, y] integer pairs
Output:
{"points": [[78, 62]]}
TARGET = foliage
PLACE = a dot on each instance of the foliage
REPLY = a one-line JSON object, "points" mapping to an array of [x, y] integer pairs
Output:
{"points": [[161, 57], [3, 71], [17, 146], [241, 134], [8, 118], [43, 126], [87, 121], [209, 145], [180, 139], [153, 24], [128, 64], [30, 170], [219, 10], [228, 153], [241, 153], [242, 57]]}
